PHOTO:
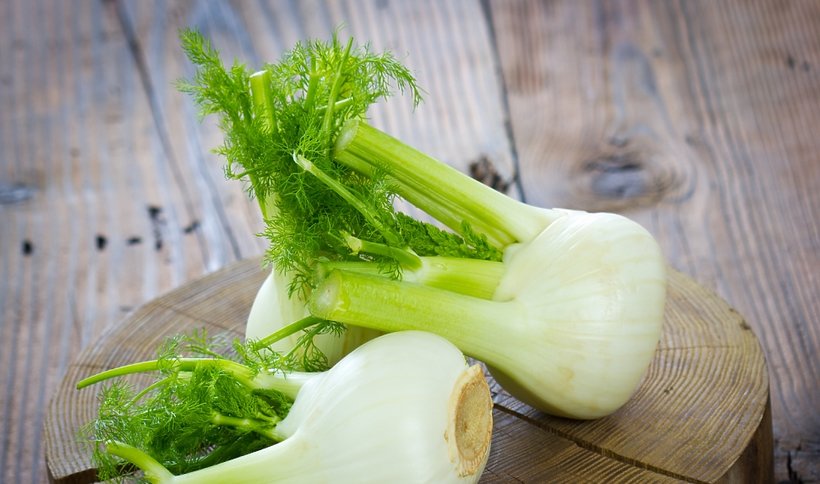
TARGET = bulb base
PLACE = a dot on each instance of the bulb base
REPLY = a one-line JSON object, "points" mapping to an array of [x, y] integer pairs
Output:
{"points": [[470, 427]]}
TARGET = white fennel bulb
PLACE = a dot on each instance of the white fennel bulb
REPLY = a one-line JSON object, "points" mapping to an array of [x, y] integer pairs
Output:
{"points": [[584, 309], [571, 328], [273, 309], [402, 408]]}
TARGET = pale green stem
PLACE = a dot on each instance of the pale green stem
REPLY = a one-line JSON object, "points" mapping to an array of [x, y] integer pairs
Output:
{"points": [[263, 428], [154, 471], [374, 302], [339, 188], [262, 102], [338, 104], [242, 373], [334, 89], [288, 383], [148, 389], [310, 95], [407, 259], [285, 331], [471, 277], [440, 190]]}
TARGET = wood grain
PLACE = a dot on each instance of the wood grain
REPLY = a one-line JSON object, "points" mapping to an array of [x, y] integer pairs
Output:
{"points": [[696, 118], [699, 407], [92, 226]]}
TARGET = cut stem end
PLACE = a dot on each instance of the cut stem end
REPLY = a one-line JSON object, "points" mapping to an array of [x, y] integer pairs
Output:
{"points": [[470, 426]]}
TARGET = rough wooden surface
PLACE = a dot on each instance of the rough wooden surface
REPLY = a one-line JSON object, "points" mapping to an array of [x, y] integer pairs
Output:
{"points": [[696, 118], [700, 406]]}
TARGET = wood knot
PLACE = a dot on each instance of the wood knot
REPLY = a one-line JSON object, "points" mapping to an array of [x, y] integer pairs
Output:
{"points": [[617, 176], [484, 171], [623, 179]]}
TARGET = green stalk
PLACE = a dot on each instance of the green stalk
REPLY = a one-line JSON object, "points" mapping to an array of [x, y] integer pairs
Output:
{"points": [[407, 259], [267, 207], [313, 83], [154, 471], [440, 190], [262, 102], [242, 373], [148, 389], [287, 383], [263, 110], [334, 89], [286, 331], [362, 267], [337, 105], [471, 277], [261, 427], [339, 188], [388, 305]]}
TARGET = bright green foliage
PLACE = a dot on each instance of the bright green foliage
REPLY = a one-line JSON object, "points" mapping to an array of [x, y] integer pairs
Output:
{"points": [[285, 118], [193, 415], [429, 240], [303, 356]]}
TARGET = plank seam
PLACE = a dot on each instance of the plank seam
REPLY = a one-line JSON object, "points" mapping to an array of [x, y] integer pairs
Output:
{"points": [[135, 49], [504, 98]]}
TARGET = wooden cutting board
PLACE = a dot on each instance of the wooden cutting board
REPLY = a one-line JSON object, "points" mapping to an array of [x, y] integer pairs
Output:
{"points": [[702, 413]]}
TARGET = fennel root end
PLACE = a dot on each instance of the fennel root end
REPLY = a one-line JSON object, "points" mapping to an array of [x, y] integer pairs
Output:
{"points": [[470, 426]]}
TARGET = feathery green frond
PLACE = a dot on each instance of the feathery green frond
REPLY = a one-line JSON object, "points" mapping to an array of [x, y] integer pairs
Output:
{"points": [[192, 415], [294, 110]]}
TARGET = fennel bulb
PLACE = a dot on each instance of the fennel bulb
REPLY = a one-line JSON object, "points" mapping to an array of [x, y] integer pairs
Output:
{"points": [[273, 309], [570, 330], [404, 407], [578, 308]]}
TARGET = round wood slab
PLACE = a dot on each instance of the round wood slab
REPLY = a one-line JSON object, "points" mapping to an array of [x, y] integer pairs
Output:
{"points": [[700, 415]]}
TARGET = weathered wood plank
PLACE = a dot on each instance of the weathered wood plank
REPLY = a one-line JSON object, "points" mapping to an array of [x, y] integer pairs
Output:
{"points": [[93, 218], [152, 29], [699, 120]]}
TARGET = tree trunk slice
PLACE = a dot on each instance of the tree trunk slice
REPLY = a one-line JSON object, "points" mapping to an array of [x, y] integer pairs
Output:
{"points": [[701, 413]]}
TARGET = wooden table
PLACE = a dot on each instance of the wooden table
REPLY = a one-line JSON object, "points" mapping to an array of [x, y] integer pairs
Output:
{"points": [[698, 119]]}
